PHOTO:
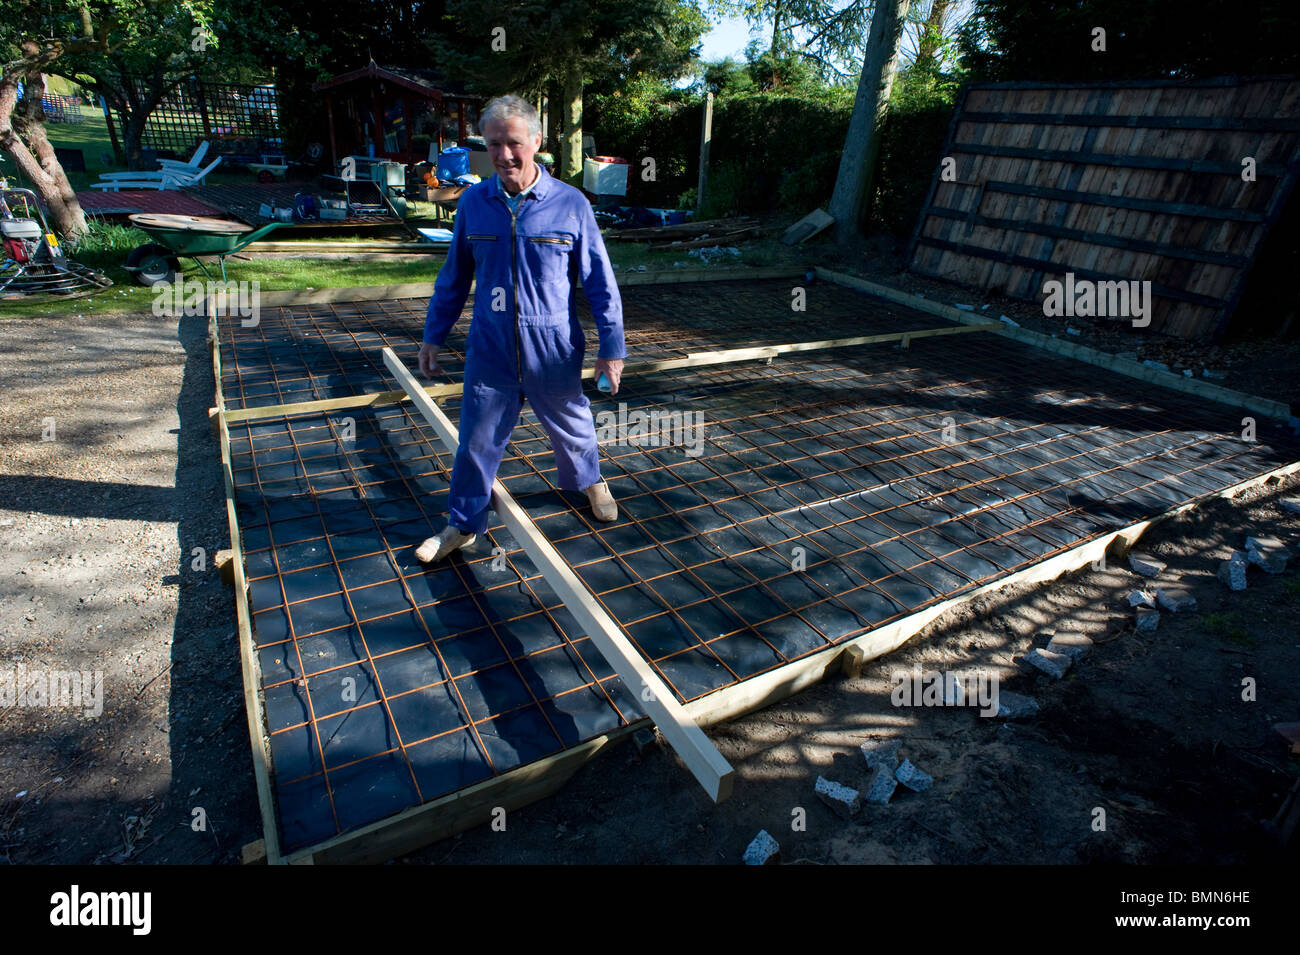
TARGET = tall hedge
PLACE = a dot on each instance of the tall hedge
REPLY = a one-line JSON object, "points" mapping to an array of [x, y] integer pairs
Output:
{"points": [[771, 151]]}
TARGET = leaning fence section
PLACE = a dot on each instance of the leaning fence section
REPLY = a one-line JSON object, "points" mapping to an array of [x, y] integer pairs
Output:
{"points": [[1171, 184]]}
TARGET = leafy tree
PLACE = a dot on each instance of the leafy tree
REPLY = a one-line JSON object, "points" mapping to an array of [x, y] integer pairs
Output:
{"points": [[1053, 39], [725, 77], [85, 40], [829, 37], [531, 47], [148, 47]]}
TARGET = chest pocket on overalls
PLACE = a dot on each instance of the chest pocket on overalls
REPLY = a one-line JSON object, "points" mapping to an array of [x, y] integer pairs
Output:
{"points": [[484, 246], [547, 257]]}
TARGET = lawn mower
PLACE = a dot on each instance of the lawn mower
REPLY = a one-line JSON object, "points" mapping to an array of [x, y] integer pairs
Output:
{"points": [[34, 261]]}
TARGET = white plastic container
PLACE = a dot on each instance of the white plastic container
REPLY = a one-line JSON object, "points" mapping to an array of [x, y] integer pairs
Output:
{"points": [[605, 176]]}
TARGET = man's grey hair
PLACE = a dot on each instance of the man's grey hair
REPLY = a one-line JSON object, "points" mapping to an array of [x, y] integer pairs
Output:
{"points": [[503, 108]]}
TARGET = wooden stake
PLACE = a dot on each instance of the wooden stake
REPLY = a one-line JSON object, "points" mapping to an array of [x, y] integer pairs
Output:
{"points": [[688, 740], [706, 139]]}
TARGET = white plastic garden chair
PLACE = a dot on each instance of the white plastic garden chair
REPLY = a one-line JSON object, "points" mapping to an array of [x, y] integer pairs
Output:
{"points": [[152, 179], [163, 180]]}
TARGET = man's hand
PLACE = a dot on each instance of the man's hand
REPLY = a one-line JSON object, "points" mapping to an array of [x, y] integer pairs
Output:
{"points": [[428, 360], [613, 369]]}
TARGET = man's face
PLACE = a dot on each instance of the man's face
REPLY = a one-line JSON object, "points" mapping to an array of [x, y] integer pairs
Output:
{"points": [[511, 150]]}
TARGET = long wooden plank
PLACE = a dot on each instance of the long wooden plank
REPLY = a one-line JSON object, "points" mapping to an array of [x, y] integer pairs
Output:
{"points": [[1123, 366], [688, 740], [695, 360], [249, 666], [1117, 160], [1161, 206], [1060, 268], [1255, 124], [371, 293], [1094, 238], [767, 688], [418, 826]]}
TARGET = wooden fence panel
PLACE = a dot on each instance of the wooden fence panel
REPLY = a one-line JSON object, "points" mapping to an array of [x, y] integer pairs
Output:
{"points": [[1114, 182]]}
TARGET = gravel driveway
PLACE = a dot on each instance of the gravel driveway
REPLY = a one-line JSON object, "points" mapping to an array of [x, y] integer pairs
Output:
{"points": [[102, 420]]}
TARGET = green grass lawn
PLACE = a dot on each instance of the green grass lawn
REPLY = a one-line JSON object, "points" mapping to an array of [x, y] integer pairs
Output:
{"points": [[278, 274], [108, 249]]}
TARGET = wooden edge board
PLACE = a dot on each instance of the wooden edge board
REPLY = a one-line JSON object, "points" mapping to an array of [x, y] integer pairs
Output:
{"points": [[371, 293], [1123, 366], [249, 666], [696, 360], [418, 248], [333, 404], [766, 688], [688, 740], [214, 342], [418, 826]]}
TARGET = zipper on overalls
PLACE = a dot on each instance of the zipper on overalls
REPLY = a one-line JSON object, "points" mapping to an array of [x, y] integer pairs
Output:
{"points": [[514, 279], [514, 283]]}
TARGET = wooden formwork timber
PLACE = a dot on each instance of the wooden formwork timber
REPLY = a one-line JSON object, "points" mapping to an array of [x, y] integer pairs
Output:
{"points": [[249, 666], [695, 360], [1123, 366], [699, 754], [418, 826], [376, 293]]}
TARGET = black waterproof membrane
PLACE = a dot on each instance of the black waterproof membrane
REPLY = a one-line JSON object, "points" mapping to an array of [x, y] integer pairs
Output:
{"points": [[767, 511], [332, 350]]}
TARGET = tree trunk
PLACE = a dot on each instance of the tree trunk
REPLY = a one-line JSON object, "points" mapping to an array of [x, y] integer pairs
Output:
{"points": [[570, 160], [22, 136], [555, 119], [927, 48], [852, 195]]}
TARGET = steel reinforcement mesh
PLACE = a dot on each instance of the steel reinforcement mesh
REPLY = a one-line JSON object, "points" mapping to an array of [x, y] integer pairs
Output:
{"points": [[767, 511], [332, 350]]}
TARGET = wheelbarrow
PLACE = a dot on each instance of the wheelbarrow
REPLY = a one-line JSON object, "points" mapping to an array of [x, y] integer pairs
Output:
{"points": [[191, 236]]}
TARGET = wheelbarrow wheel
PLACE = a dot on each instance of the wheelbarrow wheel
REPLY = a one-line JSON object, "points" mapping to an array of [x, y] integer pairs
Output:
{"points": [[153, 265], [265, 175]]}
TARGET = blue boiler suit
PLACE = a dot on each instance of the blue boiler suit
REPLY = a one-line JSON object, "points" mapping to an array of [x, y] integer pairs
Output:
{"points": [[524, 339]]}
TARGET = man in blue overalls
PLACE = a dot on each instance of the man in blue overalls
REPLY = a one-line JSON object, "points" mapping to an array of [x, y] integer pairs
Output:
{"points": [[524, 234]]}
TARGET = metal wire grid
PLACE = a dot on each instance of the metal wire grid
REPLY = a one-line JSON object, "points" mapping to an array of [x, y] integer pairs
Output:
{"points": [[850, 467], [386, 686], [844, 458], [312, 352]]}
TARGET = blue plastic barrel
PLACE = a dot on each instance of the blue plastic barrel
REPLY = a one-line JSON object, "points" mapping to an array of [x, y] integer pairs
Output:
{"points": [[453, 162]]}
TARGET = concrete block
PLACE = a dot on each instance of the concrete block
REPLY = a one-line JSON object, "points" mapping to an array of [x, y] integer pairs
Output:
{"points": [[1140, 598], [1147, 620], [1073, 645], [1053, 664], [843, 800], [225, 561], [882, 786], [1233, 570], [1145, 564], [1290, 504], [913, 778], [882, 752], [1014, 706], [1175, 597], [1268, 553], [764, 850], [644, 739]]}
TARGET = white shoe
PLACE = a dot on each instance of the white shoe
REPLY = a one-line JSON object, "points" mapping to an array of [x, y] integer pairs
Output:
{"points": [[603, 507], [443, 543]]}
